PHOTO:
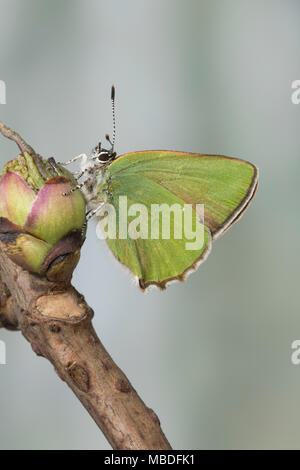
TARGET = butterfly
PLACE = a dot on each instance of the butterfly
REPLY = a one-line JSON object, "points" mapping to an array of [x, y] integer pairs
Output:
{"points": [[176, 184]]}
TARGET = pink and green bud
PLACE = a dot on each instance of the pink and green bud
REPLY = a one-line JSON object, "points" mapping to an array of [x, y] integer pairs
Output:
{"points": [[41, 229]]}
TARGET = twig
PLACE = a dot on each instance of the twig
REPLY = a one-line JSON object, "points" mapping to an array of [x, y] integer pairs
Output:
{"points": [[56, 320], [12, 135]]}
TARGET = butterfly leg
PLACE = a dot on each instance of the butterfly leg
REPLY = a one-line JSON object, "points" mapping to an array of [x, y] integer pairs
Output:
{"points": [[93, 212], [82, 155], [89, 215], [79, 174], [78, 186], [83, 230]]}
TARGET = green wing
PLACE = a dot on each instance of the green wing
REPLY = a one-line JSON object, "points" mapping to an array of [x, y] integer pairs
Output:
{"points": [[224, 185]]}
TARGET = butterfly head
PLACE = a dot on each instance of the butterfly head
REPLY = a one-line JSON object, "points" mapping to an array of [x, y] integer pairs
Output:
{"points": [[102, 155]]}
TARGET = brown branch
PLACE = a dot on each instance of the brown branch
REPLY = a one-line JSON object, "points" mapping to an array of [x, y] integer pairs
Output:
{"points": [[56, 320]]}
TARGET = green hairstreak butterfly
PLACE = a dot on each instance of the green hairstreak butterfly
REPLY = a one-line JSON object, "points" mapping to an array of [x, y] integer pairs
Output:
{"points": [[127, 187]]}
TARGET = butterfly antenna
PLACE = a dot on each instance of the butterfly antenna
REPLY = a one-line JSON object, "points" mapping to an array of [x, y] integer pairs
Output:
{"points": [[113, 115], [112, 142]]}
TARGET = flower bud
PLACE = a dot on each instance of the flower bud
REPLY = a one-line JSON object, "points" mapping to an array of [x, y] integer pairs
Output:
{"points": [[41, 229]]}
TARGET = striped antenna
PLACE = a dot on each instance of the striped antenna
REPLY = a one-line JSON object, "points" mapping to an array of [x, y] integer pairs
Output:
{"points": [[113, 115]]}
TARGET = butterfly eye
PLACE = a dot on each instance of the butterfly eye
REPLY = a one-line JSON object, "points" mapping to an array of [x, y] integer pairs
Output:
{"points": [[104, 156]]}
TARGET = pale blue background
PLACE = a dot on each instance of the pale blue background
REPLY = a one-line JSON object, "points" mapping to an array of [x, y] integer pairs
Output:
{"points": [[212, 356]]}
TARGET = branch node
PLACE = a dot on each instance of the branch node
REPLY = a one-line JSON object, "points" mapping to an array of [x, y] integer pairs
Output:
{"points": [[79, 376], [54, 328], [123, 386]]}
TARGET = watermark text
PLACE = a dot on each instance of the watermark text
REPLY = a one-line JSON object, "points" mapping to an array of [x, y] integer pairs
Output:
{"points": [[295, 96], [2, 92], [2, 352], [159, 221]]}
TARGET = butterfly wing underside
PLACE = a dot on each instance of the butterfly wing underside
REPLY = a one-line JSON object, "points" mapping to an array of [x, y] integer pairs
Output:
{"points": [[224, 185]]}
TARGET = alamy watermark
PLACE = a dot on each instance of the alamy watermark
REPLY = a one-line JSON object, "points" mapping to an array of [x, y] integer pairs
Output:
{"points": [[2, 352], [295, 96], [295, 356], [161, 221], [2, 92]]}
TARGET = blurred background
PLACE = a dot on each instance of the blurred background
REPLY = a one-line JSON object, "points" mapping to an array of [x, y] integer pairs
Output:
{"points": [[212, 356]]}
